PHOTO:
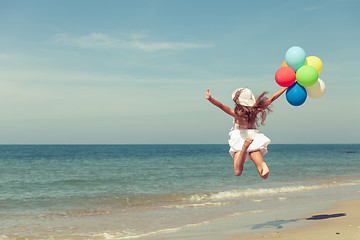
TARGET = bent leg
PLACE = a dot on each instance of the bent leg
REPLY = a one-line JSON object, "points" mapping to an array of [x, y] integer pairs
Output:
{"points": [[260, 164], [239, 157]]}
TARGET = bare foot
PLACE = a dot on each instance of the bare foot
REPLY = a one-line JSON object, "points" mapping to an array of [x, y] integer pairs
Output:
{"points": [[247, 143], [265, 171]]}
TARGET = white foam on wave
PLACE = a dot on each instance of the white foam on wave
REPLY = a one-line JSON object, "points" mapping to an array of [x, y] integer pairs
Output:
{"points": [[268, 199], [130, 235], [199, 205], [232, 194], [243, 213]]}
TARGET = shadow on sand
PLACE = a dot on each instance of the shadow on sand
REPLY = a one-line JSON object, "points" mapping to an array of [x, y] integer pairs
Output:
{"points": [[278, 224], [274, 224], [326, 216]]}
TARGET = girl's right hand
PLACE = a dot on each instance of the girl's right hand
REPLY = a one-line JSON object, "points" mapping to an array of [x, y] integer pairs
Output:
{"points": [[208, 95]]}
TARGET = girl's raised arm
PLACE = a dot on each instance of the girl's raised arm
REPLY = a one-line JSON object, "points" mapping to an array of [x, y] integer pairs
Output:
{"points": [[276, 95], [218, 104]]}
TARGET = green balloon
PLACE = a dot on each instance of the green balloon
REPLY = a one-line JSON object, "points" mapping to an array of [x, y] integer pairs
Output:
{"points": [[307, 76]]}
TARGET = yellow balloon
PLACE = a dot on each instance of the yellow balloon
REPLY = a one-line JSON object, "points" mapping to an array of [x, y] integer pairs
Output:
{"points": [[315, 62]]}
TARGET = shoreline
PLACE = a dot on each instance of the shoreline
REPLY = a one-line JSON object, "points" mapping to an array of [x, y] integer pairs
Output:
{"points": [[339, 222], [283, 219]]}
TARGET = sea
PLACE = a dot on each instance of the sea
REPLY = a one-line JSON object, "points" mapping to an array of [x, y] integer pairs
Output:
{"points": [[167, 191]]}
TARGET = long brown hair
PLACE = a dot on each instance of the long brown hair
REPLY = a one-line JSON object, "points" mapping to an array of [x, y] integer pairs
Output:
{"points": [[251, 115]]}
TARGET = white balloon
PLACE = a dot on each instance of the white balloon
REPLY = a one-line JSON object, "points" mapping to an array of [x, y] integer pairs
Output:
{"points": [[317, 90]]}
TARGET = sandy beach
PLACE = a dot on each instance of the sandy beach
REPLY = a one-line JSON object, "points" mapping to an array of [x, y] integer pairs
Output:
{"points": [[340, 222]]}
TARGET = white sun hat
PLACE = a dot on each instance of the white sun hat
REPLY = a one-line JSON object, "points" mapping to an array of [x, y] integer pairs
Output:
{"points": [[246, 97]]}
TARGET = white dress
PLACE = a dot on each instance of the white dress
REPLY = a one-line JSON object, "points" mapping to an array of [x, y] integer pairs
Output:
{"points": [[238, 136]]}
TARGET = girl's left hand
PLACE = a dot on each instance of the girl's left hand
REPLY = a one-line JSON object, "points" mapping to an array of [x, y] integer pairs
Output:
{"points": [[208, 95]]}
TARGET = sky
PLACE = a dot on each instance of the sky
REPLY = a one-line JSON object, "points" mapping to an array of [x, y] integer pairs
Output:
{"points": [[136, 71]]}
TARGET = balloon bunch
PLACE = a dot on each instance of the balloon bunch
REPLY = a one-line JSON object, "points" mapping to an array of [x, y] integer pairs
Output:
{"points": [[301, 75]]}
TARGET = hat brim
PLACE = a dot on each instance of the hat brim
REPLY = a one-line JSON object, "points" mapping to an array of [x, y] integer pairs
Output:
{"points": [[245, 102], [233, 94]]}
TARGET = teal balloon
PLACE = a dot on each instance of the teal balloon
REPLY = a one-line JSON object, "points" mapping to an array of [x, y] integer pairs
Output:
{"points": [[295, 57], [307, 76], [296, 94]]}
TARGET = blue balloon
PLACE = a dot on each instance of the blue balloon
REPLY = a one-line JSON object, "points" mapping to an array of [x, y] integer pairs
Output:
{"points": [[295, 57], [296, 94]]}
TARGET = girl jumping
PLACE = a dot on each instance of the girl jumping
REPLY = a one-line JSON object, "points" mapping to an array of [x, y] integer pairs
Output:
{"points": [[246, 142]]}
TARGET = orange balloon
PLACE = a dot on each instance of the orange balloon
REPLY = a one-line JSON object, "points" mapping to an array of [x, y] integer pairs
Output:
{"points": [[284, 64]]}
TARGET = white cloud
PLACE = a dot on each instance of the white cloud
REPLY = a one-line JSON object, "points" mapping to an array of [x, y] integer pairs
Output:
{"points": [[94, 40], [104, 41], [151, 47]]}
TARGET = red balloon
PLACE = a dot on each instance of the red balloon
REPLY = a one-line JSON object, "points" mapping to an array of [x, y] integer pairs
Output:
{"points": [[285, 76]]}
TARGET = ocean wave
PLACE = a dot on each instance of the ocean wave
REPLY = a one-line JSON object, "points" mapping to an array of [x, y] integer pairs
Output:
{"points": [[268, 199], [87, 212], [203, 200], [233, 194], [199, 205], [132, 235]]}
